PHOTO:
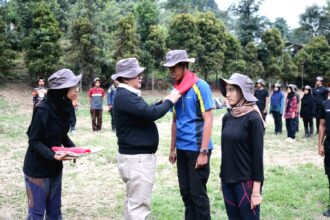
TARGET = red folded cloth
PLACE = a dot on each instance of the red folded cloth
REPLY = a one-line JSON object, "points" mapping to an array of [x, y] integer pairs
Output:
{"points": [[77, 150], [186, 83]]}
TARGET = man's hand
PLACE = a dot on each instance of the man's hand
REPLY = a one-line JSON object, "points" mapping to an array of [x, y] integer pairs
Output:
{"points": [[201, 161], [172, 157]]}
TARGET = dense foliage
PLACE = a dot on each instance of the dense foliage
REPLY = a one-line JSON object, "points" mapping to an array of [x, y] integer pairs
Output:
{"points": [[90, 36]]}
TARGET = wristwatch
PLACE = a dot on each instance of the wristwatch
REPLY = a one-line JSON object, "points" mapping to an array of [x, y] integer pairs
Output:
{"points": [[204, 151]]}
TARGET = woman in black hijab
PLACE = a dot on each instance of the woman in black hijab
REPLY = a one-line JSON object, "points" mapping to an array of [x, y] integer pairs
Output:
{"points": [[50, 124]]}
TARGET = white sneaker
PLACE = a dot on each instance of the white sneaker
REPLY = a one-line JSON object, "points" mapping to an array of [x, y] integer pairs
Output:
{"points": [[291, 140]]}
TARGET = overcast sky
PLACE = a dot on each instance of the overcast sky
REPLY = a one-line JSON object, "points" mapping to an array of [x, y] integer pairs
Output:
{"points": [[288, 9]]}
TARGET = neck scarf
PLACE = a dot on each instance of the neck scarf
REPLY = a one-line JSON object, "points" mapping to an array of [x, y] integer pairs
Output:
{"points": [[244, 107], [188, 80]]}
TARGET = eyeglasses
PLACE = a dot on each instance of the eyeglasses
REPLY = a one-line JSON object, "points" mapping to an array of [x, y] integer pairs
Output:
{"points": [[140, 76]]}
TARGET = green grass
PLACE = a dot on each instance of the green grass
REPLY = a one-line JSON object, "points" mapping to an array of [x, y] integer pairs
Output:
{"points": [[295, 186]]}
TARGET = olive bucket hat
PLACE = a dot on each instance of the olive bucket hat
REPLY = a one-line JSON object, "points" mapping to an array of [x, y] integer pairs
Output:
{"points": [[127, 68], [174, 57], [243, 82], [62, 79]]}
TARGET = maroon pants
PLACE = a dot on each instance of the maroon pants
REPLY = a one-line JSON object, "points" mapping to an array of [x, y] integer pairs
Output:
{"points": [[96, 119]]}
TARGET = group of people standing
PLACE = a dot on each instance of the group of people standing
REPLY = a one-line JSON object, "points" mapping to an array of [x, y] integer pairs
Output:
{"points": [[292, 107], [190, 148]]}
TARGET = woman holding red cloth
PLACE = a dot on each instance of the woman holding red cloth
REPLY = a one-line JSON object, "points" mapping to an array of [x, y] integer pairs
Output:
{"points": [[50, 124]]}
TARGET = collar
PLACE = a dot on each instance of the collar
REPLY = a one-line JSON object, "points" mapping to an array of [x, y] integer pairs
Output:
{"points": [[130, 88]]}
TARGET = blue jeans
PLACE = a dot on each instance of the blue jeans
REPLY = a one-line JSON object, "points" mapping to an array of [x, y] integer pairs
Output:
{"points": [[291, 127], [44, 195], [237, 197]]}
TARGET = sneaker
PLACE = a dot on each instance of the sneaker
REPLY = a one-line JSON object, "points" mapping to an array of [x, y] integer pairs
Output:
{"points": [[291, 140], [327, 213]]}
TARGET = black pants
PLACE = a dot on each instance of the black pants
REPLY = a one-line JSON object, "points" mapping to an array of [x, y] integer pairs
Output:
{"points": [[96, 119], [308, 125], [113, 126], [278, 121], [237, 197], [192, 184], [291, 127], [317, 125]]}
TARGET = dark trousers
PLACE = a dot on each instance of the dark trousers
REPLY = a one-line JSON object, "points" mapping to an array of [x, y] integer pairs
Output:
{"points": [[237, 197], [192, 184], [291, 127], [44, 195], [96, 119], [113, 126], [278, 121], [308, 125]]}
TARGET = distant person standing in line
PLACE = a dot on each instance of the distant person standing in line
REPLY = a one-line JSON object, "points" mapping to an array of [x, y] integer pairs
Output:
{"points": [[277, 107], [40, 92], [324, 141], [320, 93], [290, 113], [262, 95], [96, 95], [307, 110], [295, 87], [110, 101]]}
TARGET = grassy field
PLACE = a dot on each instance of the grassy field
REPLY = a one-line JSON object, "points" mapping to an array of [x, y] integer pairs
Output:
{"points": [[295, 186]]}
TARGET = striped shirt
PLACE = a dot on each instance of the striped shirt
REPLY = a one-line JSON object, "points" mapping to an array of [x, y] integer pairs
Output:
{"points": [[96, 95]]}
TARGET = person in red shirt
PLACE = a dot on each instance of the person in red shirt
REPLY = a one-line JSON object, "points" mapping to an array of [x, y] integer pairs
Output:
{"points": [[96, 95]]}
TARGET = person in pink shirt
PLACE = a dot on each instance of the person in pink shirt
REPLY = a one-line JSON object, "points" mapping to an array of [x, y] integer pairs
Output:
{"points": [[290, 113]]}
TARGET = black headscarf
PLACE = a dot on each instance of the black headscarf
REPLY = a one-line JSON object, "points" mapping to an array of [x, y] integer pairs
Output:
{"points": [[63, 106], [290, 97]]}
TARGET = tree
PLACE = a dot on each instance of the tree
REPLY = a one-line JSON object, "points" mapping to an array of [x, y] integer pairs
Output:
{"points": [[233, 56], [147, 15], [85, 48], [274, 46], [127, 38], [155, 46], [248, 20], [254, 67], [183, 34], [42, 48], [315, 21], [211, 32], [314, 58], [281, 25], [289, 68], [6, 53]]}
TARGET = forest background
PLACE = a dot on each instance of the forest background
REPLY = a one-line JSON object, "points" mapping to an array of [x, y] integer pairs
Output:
{"points": [[89, 36]]}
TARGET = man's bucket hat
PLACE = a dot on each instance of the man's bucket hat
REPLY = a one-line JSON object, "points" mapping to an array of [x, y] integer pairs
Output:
{"points": [[127, 68], [319, 78], [260, 81], [243, 82], [174, 57], [62, 79], [97, 79]]}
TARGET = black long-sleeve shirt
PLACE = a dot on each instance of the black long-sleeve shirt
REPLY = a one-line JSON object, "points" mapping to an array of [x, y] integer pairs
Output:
{"points": [[47, 129], [135, 127], [242, 148]]}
